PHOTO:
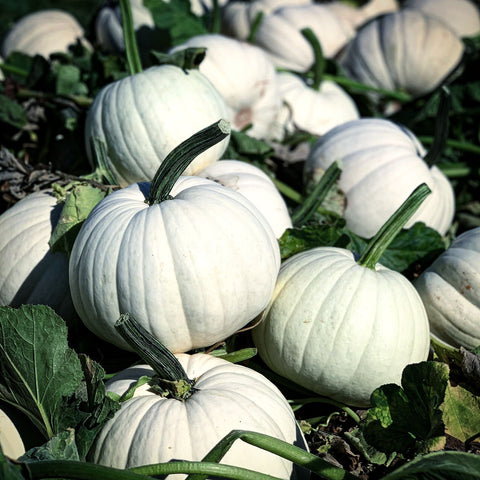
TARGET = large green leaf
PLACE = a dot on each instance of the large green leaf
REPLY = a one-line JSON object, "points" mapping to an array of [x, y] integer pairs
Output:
{"points": [[408, 419], [37, 368]]}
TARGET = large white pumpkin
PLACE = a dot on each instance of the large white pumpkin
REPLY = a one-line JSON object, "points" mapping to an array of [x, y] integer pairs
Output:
{"points": [[341, 329], [405, 50], [244, 76], [29, 272], [462, 16], [256, 186], [43, 32], [192, 270], [382, 164], [314, 111], [279, 34], [152, 429], [141, 118], [450, 292], [10, 440]]}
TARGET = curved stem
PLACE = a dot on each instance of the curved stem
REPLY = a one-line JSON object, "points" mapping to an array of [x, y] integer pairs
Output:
{"points": [[163, 362], [456, 144], [310, 205], [345, 408], [131, 48], [181, 156], [380, 242], [441, 128], [255, 24], [319, 62], [216, 18]]}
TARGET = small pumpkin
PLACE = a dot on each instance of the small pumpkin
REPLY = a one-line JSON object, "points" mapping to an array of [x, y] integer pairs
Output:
{"points": [[10, 440], [190, 403], [382, 163], [141, 118], [279, 34], [193, 264], [342, 327], [450, 290], [30, 273], [244, 76], [462, 16], [405, 50], [314, 111], [43, 32], [256, 186]]}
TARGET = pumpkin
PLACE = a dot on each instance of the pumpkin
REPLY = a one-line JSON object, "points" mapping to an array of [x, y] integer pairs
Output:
{"points": [[256, 186], [141, 118], [192, 268], [342, 327], [405, 50], [314, 111], [10, 440], [279, 34], [30, 272], [238, 17], [43, 32], [449, 290], [382, 163], [108, 26], [462, 16], [150, 428], [244, 76]]}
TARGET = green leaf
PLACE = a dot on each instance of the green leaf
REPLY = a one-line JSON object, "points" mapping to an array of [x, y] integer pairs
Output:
{"points": [[12, 112], [37, 369], [244, 147], [439, 466], [409, 419], [78, 204], [461, 413], [9, 471], [60, 447], [68, 81], [356, 438]]}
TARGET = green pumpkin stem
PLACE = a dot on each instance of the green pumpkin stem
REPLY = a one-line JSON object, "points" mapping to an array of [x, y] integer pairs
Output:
{"points": [[380, 242], [169, 372], [181, 156], [310, 205], [254, 27], [442, 125], [131, 49], [319, 63]]}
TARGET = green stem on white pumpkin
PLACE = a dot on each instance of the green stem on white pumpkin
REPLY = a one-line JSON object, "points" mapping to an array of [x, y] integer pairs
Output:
{"points": [[131, 49], [295, 454], [310, 205], [167, 368], [255, 24], [442, 124], [380, 242], [216, 18], [319, 64], [181, 156]]}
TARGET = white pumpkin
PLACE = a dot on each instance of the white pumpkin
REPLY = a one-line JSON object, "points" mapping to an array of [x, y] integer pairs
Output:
{"points": [[10, 440], [450, 292], [462, 16], [192, 269], [382, 163], [141, 118], [314, 111], [43, 32], [341, 329], [405, 50], [108, 25], [244, 76], [239, 16], [29, 272], [279, 34], [152, 429], [256, 186]]}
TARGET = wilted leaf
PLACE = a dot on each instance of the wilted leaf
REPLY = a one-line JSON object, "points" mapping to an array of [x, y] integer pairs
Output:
{"points": [[244, 147], [61, 447], [409, 418]]}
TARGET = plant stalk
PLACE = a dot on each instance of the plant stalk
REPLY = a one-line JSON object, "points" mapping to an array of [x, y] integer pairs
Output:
{"points": [[131, 48], [254, 27], [319, 63], [380, 242], [181, 156]]}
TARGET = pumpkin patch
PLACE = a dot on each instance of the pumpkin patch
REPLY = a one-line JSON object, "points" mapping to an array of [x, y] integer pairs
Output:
{"points": [[239, 240]]}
